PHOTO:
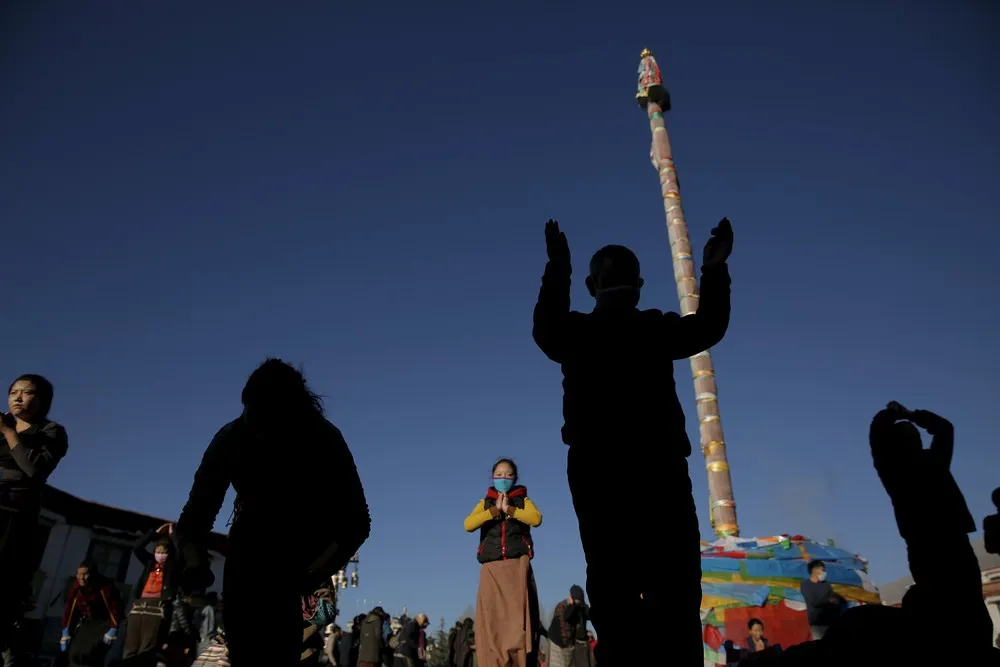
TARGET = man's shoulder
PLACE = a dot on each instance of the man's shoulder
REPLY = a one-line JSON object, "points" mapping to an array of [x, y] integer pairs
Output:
{"points": [[631, 314], [230, 428], [52, 427], [657, 314], [224, 438], [331, 429], [815, 586]]}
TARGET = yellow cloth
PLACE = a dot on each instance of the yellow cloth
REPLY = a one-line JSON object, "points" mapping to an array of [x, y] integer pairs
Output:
{"points": [[529, 516]]}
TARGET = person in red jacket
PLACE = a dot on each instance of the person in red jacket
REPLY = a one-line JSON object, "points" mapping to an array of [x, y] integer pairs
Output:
{"points": [[90, 618]]}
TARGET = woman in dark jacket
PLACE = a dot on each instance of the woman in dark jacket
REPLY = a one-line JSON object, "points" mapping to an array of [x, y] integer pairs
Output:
{"points": [[465, 644], [149, 619], [285, 460], [30, 448]]}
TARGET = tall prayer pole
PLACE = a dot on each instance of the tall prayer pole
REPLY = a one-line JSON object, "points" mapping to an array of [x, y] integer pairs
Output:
{"points": [[654, 98]]}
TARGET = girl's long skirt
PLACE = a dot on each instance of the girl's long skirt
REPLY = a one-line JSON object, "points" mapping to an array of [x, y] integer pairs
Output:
{"points": [[507, 615], [146, 627]]}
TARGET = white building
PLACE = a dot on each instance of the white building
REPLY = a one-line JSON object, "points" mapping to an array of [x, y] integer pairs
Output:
{"points": [[73, 530]]}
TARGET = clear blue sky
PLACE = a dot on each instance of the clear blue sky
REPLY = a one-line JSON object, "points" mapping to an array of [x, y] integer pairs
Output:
{"points": [[189, 187]]}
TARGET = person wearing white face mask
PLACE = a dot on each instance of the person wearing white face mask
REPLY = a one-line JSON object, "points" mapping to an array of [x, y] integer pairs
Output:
{"points": [[822, 604], [626, 434], [155, 589]]}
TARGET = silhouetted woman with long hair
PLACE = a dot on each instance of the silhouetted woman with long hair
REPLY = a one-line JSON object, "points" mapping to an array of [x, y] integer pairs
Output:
{"points": [[507, 624], [31, 445], [285, 461]]}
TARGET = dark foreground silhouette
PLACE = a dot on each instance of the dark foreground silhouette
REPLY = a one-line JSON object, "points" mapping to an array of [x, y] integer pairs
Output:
{"points": [[991, 526], [627, 440], [933, 518], [285, 460]]}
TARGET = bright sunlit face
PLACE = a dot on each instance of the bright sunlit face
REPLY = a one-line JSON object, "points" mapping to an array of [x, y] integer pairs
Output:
{"points": [[22, 400], [503, 471]]}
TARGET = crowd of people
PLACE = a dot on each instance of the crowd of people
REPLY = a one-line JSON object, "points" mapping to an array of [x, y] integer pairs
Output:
{"points": [[619, 395], [173, 620]]}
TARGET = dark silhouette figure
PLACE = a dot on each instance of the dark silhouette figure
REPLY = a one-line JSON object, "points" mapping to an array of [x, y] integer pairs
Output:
{"points": [[933, 519], [31, 447], [284, 459], [991, 527], [465, 644], [918, 480], [350, 644], [627, 441], [947, 593], [452, 640]]}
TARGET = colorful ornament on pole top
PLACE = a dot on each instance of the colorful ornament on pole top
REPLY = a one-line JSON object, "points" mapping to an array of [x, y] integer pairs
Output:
{"points": [[651, 87]]}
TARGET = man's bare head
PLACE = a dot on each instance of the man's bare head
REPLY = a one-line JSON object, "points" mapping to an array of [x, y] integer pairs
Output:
{"points": [[615, 269], [907, 437]]}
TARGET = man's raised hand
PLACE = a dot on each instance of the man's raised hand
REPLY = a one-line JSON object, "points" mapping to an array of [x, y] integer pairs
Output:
{"points": [[930, 422], [719, 245], [556, 244]]}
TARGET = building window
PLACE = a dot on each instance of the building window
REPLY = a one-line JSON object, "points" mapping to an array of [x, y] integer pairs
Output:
{"points": [[110, 558]]}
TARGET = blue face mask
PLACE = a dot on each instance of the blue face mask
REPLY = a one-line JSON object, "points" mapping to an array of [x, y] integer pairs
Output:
{"points": [[503, 484]]}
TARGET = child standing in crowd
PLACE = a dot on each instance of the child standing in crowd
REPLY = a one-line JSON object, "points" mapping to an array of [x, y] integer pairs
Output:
{"points": [[149, 619]]}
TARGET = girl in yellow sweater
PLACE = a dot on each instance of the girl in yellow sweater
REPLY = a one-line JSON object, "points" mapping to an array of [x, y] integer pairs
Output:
{"points": [[507, 604]]}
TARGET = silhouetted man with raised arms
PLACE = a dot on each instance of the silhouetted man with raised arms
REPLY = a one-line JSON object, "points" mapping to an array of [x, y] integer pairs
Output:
{"points": [[627, 441], [933, 519]]}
